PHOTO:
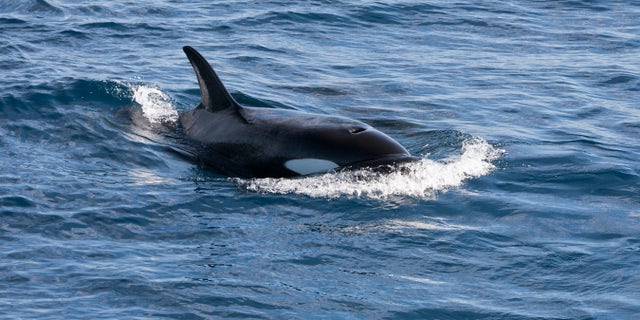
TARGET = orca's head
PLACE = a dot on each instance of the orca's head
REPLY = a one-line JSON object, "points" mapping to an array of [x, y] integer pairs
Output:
{"points": [[328, 142]]}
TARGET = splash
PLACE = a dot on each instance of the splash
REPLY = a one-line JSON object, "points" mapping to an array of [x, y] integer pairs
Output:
{"points": [[156, 105], [422, 179]]}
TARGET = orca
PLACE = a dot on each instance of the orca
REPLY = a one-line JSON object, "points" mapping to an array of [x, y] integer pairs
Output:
{"points": [[263, 142]]}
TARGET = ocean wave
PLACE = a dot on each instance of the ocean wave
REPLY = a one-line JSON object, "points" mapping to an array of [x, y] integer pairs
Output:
{"points": [[44, 100], [29, 7]]}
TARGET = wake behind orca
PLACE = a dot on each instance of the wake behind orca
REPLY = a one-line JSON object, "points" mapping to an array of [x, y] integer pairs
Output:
{"points": [[261, 142]]}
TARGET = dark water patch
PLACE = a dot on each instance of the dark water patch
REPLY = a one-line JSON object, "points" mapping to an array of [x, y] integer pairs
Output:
{"points": [[374, 15], [36, 117], [29, 7], [28, 221], [16, 201], [11, 21], [122, 29], [75, 35], [447, 313], [105, 25], [600, 236], [41, 101], [628, 82], [619, 80]]}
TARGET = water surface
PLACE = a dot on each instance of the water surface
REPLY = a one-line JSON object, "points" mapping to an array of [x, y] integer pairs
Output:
{"points": [[525, 205]]}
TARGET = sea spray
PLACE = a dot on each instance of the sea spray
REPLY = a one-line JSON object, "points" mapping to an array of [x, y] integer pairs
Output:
{"points": [[156, 105]]}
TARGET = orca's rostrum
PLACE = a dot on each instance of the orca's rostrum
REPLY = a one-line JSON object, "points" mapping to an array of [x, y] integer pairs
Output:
{"points": [[263, 142]]}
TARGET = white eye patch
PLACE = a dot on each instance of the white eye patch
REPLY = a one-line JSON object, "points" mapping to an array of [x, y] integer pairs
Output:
{"points": [[310, 165]]}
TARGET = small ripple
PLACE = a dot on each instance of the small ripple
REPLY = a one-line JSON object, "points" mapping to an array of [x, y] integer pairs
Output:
{"points": [[294, 18], [94, 10], [455, 313], [374, 15], [261, 48], [75, 34], [574, 5], [28, 222], [122, 29], [320, 90], [105, 25]]}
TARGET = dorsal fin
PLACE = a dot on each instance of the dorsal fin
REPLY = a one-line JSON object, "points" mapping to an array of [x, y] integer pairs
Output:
{"points": [[215, 96]]}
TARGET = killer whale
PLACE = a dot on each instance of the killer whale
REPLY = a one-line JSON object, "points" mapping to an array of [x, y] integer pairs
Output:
{"points": [[263, 142]]}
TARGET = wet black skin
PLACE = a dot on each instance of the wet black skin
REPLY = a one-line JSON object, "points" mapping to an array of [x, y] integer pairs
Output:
{"points": [[257, 142]]}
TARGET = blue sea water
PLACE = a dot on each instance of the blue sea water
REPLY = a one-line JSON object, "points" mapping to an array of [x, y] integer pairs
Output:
{"points": [[524, 206]]}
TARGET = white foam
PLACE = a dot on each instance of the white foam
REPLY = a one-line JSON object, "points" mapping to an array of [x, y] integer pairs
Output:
{"points": [[156, 105], [422, 179]]}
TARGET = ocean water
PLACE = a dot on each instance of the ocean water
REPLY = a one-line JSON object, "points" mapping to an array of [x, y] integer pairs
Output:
{"points": [[525, 205]]}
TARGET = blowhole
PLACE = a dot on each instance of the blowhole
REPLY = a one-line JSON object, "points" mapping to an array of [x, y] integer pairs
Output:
{"points": [[357, 130]]}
